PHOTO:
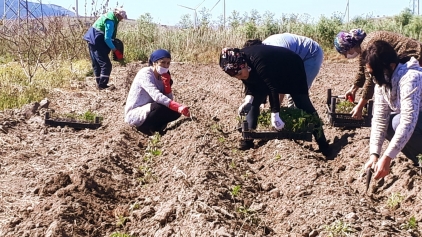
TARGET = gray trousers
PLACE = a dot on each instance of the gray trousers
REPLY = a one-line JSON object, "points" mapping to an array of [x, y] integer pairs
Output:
{"points": [[414, 146]]}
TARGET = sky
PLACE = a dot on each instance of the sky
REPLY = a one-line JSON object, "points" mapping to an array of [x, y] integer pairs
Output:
{"points": [[168, 12]]}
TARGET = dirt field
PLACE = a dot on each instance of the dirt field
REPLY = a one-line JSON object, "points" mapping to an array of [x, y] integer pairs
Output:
{"points": [[192, 181]]}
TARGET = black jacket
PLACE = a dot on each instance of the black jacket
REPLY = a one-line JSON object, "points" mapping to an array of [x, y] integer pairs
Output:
{"points": [[274, 70]]}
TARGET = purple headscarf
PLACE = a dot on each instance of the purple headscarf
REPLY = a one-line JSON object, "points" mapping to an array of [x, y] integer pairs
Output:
{"points": [[347, 40]]}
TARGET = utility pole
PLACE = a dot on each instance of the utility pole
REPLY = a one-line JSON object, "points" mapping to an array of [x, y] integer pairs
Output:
{"points": [[224, 13], [16, 12], [76, 9], [346, 12], [194, 14], [415, 7]]}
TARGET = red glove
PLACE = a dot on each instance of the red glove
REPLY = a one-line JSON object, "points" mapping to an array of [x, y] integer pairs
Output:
{"points": [[166, 81], [179, 108], [118, 54], [350, 98]]}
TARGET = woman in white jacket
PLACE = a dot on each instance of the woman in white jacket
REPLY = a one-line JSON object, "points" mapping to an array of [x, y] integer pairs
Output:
{"points": [[149, 104], [397, 113]]}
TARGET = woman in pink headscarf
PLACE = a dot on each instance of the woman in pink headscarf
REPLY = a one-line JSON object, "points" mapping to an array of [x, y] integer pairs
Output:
{"points": [[355, 43]]}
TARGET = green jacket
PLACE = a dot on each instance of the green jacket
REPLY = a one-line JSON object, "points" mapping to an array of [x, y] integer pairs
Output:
{"points": [[99, 24]]}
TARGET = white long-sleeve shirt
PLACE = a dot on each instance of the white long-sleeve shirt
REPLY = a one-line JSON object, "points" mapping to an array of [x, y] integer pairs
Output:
{"points": [[405, 98], [145, 89]]}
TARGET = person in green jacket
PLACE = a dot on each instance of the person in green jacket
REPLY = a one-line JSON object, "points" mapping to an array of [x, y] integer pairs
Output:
{"points": [[100, 38]]}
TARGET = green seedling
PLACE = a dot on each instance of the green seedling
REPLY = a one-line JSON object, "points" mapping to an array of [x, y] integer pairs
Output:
{"points": [[419, 159], [135, 206], [221, 139], [295, 120], [248, 214], [121, 221], [118, 234], [153, 148], [88, 116], [411, 224], [277, 157], [147, 176], [394, 200], [346, 107], [232, 165], [338, 229], [235, 190]]}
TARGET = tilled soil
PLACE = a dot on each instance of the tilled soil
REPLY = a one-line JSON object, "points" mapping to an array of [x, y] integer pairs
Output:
{"points": [[192, 181]]}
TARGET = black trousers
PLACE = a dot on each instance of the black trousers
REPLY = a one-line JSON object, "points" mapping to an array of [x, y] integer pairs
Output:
{"points": [[157, 119], [301, 101]]}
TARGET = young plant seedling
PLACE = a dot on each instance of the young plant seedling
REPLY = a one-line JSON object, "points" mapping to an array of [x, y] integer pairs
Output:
{"points": [[235, 190], [411, 224], [420, 161], [394, 200], [121, 221], [339, 228], [118, 234], [232, 165]]}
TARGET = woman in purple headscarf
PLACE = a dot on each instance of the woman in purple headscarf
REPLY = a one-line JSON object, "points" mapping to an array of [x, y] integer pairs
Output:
{"points": [[355, 43]]}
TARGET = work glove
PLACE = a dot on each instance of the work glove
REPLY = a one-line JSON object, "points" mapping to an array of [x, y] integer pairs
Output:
{"points": [[166, 78], [246, 106], [276, 121], [118, 54], [179, 108]]}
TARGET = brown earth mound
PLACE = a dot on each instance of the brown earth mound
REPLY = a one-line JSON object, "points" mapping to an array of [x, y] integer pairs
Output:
{"points": [[192, 181]]}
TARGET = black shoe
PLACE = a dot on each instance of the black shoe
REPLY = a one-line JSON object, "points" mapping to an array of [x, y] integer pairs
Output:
{"points": [[246, 144], [325, 149], [107, 87]]}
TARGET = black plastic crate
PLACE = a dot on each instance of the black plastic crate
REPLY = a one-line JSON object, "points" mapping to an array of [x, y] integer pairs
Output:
{"points": [[343, 119], [119, 46], [248, 134], [71, 123]]}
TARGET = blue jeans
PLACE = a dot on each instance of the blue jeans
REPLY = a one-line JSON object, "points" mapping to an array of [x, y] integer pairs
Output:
{"points": [[302, 102], [414, 146], [100, 63], [312, 66]]}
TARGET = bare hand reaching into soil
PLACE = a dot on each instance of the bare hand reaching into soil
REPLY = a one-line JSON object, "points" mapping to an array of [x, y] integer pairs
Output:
{"points": [[382, 167]]}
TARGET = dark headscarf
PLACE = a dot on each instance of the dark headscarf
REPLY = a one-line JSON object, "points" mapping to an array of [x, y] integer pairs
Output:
{"points": [[232, 61], [157, 55]]}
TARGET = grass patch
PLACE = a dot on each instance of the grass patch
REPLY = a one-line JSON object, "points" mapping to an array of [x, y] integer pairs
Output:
{"points": [[16, 90]]}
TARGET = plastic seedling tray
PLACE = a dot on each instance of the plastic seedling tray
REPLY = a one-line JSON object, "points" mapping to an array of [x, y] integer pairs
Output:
{"points": [[343, 119], [57, 121], [248, 134]]}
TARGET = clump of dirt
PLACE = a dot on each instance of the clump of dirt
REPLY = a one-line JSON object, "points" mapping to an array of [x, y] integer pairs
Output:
{"points": [[192, 181]]}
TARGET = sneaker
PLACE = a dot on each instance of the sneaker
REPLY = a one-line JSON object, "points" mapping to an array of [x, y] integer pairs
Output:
{"points": [[246, 144]]}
